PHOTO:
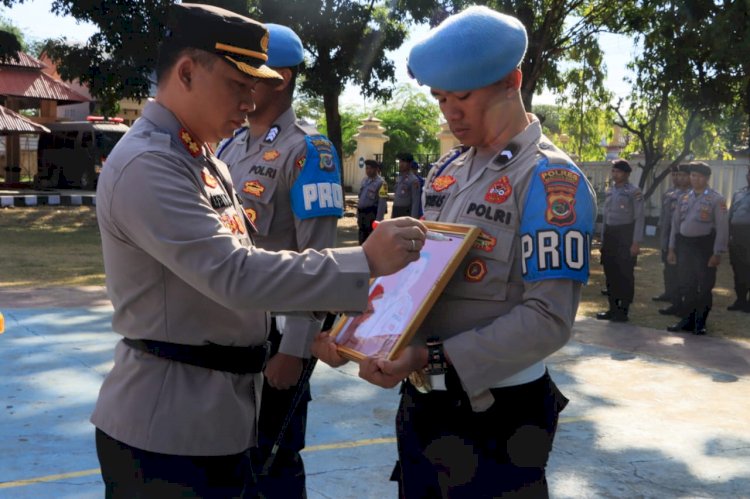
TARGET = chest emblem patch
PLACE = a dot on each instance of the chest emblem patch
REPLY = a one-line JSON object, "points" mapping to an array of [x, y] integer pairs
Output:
{"points": [[251, 214], [499, 191], [475, 270], [254, 188], [209, 179], [443, 182], [271, 155], [485, 242], [560, 186]]}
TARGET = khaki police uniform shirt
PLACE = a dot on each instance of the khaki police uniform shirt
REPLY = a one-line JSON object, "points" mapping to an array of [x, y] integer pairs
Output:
{"points": [[497, 328], [623, 205], [739, 212], [264, 166], [698, 214], [668, 205], [373, 193], [180, 267], [406, 193]]}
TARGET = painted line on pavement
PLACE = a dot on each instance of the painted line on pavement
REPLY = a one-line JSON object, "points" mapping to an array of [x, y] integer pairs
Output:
{"points": [[312, 448]]}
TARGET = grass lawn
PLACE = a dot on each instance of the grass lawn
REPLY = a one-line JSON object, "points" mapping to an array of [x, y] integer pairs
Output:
{"points": [[60, 247]]}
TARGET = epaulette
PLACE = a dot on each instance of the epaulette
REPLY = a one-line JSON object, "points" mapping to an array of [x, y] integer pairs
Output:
{"points": [[307, 127], [161, 140], [554, 155]]}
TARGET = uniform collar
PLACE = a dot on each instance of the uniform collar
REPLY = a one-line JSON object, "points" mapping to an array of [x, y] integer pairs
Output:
{"points": [[530, 135], [165, 120], [283, 122]]}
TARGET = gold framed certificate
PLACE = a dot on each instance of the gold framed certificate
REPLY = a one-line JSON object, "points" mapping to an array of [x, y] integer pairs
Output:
{"points": [[398, 303]]}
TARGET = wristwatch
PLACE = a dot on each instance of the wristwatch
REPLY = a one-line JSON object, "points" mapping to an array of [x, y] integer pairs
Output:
{"points": [[436, 363]]}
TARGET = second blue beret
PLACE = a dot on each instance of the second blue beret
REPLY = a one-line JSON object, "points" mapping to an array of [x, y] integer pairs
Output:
{"points": [[469, 50], [284, 47]]}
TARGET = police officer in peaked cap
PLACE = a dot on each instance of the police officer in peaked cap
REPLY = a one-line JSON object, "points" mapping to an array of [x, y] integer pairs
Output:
{"points": [[176, 415], [622, 233], [478, 413], [697, 241]]}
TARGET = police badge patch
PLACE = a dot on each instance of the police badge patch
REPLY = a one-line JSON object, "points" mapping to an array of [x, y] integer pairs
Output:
{"points": [[499, 191], [443, 182], [271, 155], [561, 185], [475, 270]]}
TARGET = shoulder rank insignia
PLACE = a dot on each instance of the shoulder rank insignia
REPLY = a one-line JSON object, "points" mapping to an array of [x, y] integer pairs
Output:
{"points": [[271, 155], [190, 144], [254, 188], [499, 191], [560, 185], [507, 154], [273, 132], [443, 182]]}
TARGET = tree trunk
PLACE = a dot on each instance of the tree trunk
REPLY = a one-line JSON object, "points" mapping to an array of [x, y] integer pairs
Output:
{"points": [[333, 120]]}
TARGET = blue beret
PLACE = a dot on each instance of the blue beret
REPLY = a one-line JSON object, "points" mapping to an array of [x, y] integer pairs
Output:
{"points": [[469, 50], [284, 47]]}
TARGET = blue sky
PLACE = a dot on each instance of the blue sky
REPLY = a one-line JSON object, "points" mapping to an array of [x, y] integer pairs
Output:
{"points": [[36, 21]]}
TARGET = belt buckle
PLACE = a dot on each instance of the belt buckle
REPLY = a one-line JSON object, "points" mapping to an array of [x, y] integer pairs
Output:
{"points": [[420, 381]]}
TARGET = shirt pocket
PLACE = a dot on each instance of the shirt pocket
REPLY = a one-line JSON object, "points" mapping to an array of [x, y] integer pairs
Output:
{"points": [[257, 193], [434, 203], [485, 272]]}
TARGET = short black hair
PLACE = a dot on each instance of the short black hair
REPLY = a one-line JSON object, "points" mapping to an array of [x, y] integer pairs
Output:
{"points": [[405, 156], [170, 53]]}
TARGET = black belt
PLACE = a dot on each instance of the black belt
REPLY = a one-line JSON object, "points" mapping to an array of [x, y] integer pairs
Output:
{"points": [[369, 209], [237, 360]]}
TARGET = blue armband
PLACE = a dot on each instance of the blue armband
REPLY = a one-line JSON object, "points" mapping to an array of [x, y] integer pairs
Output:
{"points": [[557, 224], [317, 191]]}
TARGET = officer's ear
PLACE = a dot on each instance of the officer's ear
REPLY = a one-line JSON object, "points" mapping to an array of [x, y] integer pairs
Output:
{"points": [[184, 71], [285, 73]]}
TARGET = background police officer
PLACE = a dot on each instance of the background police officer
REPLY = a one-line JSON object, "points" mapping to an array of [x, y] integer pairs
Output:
{"points": [[488, 430], [621, 235], [697, 240], [407, 197], [372, 204], [680, 177], [176, 415], [273, 162], [739, 246]]}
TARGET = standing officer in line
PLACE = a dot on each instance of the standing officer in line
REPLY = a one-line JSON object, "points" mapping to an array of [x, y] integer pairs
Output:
{"points": [[697, 240], [739, 246], [373, 199], [176, 415], [407, 198], [273, 162], [486, 427], [680, 185], [622, 233]]}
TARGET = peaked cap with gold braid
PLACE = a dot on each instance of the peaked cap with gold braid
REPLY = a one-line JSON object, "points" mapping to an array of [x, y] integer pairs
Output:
{"points": [[241, 41]]}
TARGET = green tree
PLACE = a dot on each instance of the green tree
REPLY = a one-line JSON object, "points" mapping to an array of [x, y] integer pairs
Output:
{"points": [[346, 41], [678, 85], [11, 40], [350, 119]]}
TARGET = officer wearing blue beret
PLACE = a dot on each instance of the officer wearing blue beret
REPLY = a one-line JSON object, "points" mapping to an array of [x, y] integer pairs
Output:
{"points": [[484, 423], [177, 414], [288, 176]]}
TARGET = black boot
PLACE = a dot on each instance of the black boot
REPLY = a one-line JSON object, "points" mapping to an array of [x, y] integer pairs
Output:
{"points": [[606, 316], [621, 312], [662, 297], [671, 310], [700, 322], [687, 323]]}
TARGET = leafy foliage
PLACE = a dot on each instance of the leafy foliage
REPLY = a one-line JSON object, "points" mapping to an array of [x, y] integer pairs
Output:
{"points": [[11, 40]]}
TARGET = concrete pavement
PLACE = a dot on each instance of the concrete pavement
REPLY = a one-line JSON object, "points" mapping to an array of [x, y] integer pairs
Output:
{"points": [[652, 414]]}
